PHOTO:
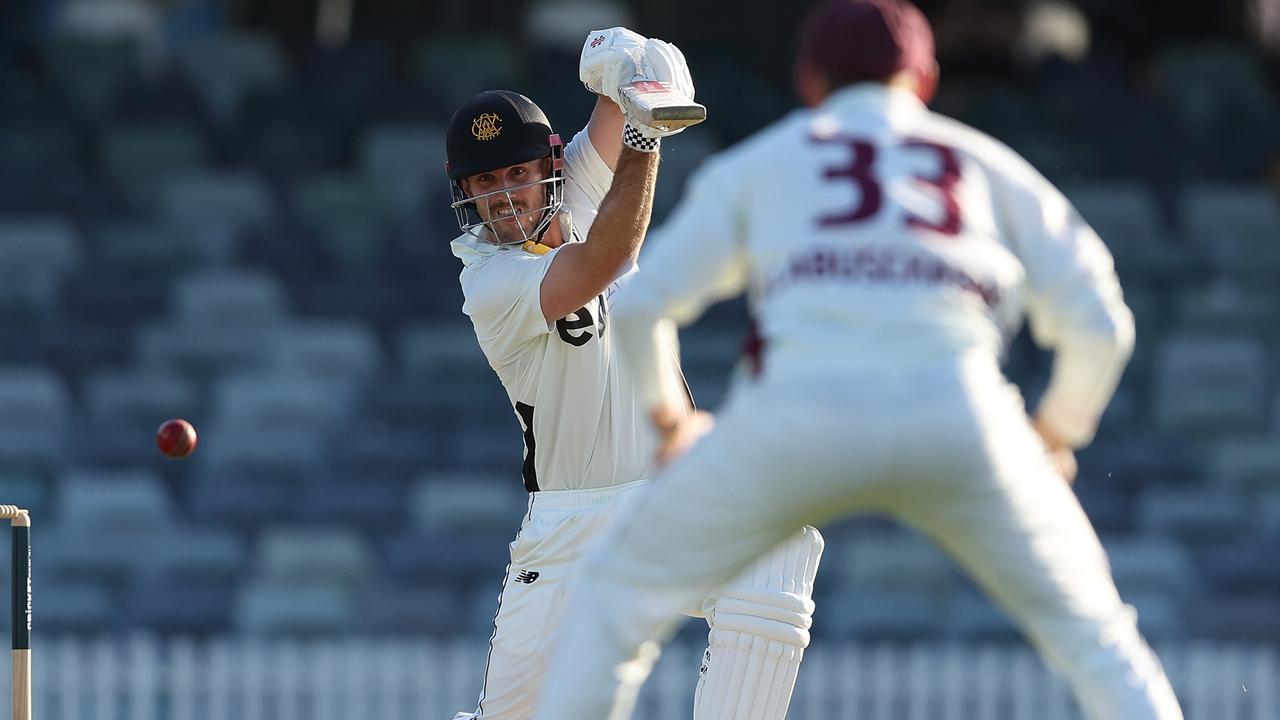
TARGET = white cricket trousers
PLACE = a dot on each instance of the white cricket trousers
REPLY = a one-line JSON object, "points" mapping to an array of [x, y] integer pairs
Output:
{"points": [[759, 621], [944, 446]]}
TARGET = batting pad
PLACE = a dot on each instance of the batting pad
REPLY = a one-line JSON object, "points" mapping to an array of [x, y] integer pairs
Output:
{"points": [[759, 630]]}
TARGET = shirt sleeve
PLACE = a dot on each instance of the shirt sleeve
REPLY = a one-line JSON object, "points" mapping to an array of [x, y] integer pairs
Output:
{"points": [[1074, 302], [503, 298], [587, 177], [697, 258]]}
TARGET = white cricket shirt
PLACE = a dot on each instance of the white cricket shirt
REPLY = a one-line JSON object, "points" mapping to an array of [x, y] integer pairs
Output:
{"points": [[870, 230], [584, 426]]}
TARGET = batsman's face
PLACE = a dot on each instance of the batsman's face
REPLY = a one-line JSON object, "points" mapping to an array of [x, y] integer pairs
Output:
{"points": [[509, 200]]}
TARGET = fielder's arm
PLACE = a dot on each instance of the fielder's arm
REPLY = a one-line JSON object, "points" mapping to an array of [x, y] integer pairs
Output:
{"points": [[698, 259], [1074, 303]]}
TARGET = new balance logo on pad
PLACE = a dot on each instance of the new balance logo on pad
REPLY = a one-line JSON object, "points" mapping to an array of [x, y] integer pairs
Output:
{"points": [[527, 577]]}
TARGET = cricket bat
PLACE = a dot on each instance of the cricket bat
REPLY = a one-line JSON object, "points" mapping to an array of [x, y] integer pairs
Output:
{"points": [[659, 105]]}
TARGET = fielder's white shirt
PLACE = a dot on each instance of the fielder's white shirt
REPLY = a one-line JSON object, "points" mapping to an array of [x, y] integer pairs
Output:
{"points": [[584, 426], [870, 230]]}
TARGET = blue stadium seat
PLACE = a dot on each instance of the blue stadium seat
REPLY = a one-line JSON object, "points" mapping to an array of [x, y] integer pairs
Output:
{"points": [[245, 402], [490, 61], [1126, 217], [344, 353], [236, 298], [90, 71], [460, 502], [196, 553], [903, 561], [972, 616], [203, 352], [1160, 616], [138, 398], [878, 614], [266, 608], [1237, 226], [1244, 564], [427, 609], [226, 67], [1253, 619], [349, 217], [1210, 385], [36, 255], [139, 158], [215, 207], [149, 249], [35, 418], [131, 501], [188, 607], [1194, 514], [406, 164], [443, 352], [305, 554], [681, 155], [1246, 464], [449, 558], [1155, 564], [77, 607]]}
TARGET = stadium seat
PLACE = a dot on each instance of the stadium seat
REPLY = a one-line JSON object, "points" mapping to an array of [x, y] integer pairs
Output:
{"points": [[904, 561], [445, 353], [145, 249], [1152, 563], [429, 609], [304, 555], [36, 254], [1266, 513], [878, 614], [1160, 616], [1248, 619], [343, 352], [78, 607], [1242, 564], [138, 398], [1237, 225], [196, 553], [406, 164], [1246, 464], [1211, 385], [237, 298], [1228, 307], [262, 401], [1126, 217], [90, 71], [247, 477], [466, 503], [448, 558], [35, 416], [26, 490], [1194, 514], [265, 608], [188, 607], [215, 207], [140, 158], [134, 501], [227, 66], [972, 616], [490, 61], [348, 216]]}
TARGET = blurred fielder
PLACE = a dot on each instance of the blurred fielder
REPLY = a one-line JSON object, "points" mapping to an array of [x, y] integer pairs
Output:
{"points": [[888, 252], [550, 232]]}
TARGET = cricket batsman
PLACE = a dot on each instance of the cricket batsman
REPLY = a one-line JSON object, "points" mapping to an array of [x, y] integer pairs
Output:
{"points": [[888, 253], [550, 231]]}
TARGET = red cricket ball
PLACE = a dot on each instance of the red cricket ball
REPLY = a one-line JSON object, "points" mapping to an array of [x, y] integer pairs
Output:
{"points": [[176, 438]]}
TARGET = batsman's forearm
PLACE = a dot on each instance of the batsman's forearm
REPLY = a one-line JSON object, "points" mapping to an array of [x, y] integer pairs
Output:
{"points": [[623, 216]]}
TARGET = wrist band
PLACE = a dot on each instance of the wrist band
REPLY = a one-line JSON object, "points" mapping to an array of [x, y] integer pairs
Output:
{"points": [[632, 138]]}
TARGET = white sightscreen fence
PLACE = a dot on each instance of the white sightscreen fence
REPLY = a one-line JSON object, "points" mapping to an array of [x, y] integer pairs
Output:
{"points": [[142, 678]]}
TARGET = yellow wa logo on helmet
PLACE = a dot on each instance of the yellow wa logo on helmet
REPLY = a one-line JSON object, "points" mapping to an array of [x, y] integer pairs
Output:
{"points": [[487, 126]]}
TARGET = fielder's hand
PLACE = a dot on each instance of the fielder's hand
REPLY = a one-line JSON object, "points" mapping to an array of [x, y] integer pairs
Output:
{"points": [[1060, 453], [678, 429]]}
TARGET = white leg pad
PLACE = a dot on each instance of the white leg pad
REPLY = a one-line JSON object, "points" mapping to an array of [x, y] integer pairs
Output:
{"points": [[759, 630]]}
